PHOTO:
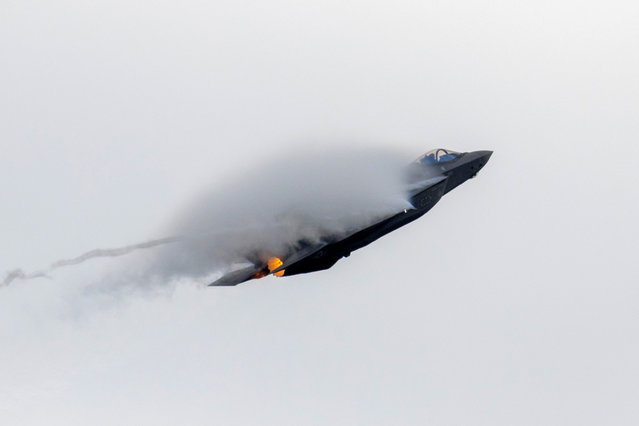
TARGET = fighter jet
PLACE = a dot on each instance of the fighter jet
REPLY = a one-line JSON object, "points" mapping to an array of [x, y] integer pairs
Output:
{"points": [[428, 178]]}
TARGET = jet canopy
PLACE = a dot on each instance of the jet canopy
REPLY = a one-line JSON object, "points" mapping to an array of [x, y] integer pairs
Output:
{"points": [[438, 155]]}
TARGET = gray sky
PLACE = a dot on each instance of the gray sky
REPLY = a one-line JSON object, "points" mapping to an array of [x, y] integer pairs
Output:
{"points": [[514, 301]]}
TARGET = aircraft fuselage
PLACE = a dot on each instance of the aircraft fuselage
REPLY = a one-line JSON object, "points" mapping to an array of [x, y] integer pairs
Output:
{"points": [[454, 173]]}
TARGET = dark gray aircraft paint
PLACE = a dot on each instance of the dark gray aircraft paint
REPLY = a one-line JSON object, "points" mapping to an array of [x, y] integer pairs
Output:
{"points": [[430, 177]]}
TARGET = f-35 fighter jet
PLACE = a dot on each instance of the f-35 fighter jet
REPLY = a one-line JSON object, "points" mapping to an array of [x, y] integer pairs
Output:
{"points": [[430, 177]]}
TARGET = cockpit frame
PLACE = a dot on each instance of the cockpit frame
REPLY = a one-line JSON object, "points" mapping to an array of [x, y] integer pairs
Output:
{"points": [[438, 155]]}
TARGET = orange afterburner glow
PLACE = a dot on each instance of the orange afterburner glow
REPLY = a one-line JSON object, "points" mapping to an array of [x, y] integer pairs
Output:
{"points": [[274, 263]]}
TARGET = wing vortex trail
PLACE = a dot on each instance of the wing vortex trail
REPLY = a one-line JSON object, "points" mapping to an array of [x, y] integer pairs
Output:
{"points": [[20, 274]]}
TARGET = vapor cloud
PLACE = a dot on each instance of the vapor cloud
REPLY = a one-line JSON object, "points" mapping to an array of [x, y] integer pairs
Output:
{"points": [[294, 197]]}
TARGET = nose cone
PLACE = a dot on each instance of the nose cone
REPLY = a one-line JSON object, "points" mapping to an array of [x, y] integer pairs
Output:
{"points": [[482, 158], [466, 168], [479, 160], [485, 154]]}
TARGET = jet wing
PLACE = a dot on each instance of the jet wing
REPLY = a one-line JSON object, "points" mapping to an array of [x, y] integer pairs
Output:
{"points": [[261, 270], [240, 276]]}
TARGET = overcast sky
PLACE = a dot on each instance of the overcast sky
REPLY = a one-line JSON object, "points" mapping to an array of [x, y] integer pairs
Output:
{"points": [[514, 301]]}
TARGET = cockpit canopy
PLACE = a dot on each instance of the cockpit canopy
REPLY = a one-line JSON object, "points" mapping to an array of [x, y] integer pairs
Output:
{"points": [[438, 155]]}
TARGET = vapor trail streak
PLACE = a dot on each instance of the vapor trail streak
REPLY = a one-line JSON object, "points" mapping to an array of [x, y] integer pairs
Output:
{"points": [[20, 274]]}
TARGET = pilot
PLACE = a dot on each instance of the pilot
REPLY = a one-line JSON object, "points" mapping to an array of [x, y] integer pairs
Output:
{"points": [[429, 159], [446, 157]]}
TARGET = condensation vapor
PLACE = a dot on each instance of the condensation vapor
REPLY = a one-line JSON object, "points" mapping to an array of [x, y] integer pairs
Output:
{"points": [[263, 211], [121, 251], [305, 196]]}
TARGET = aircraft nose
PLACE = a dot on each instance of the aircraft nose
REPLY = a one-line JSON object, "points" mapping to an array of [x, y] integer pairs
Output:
{"points": [[484, 156], [481, 158]]}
